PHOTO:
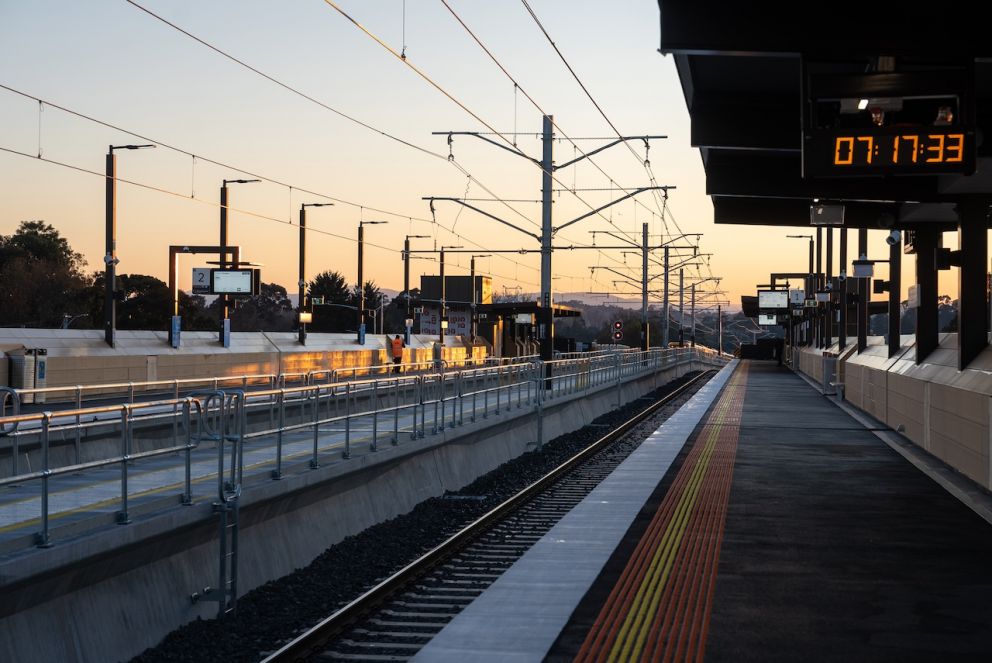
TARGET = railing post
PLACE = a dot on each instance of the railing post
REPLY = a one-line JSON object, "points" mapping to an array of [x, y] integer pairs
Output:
{"points": [[42, 538], [540, 410], [374, 446], [347, 420], [315, 409], [619, 363], [187, 498], [122, 516], [423, 412], [396, 412], [280, 400], [78, 440], [475, 393]]}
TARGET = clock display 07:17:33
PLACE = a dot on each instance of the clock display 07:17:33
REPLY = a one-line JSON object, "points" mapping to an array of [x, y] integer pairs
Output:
{"points": [[898, 149]]}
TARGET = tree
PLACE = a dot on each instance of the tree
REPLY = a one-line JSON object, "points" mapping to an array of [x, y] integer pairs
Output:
{"points": [[40, 241], [40, 278], [270, 310], [145, 302], [337, 313]]}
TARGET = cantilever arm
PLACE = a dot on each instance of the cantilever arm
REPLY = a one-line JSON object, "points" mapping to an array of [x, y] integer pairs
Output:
{"points": [[511, 150], [612, 203], [484, 213], [622, 139]]}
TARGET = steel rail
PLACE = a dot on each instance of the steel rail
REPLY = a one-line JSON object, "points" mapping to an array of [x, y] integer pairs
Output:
{"points": [[311, 642]]}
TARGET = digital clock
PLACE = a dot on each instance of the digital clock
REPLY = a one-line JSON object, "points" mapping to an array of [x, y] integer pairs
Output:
{"points": [[889, 151]]}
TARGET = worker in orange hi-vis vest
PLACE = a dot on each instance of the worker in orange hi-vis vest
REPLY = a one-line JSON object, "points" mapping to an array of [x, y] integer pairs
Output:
{"points": [[397, 347]]}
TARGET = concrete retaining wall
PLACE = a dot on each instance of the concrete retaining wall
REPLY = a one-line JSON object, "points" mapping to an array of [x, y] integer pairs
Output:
{"points": [[111, 595], [941, 409], [80, 356]]}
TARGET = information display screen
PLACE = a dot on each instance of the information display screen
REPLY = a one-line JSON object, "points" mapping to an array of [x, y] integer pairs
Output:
{"points": [[773, 299], [233, 281], [766, 319], [890, 151]]}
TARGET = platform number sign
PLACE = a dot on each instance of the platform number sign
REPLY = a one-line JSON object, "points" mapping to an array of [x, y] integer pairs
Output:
{"points": [[201, 280], [618, 330]]}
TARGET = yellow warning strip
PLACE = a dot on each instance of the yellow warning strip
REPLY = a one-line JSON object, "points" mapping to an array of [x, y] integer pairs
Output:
{"points": [[630, 641]]}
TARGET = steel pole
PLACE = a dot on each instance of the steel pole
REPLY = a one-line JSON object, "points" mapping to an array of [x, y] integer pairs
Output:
{"points": [[546, 315], [223, 255], [110, 258], [842, 326], [471, 279], [406, 273], [719, 327], [819, 284], [664, 328], [301, 297], [440, 315], [864, 293], [645, 340], [361, 283], [681, 307], [692, 316], [828, 327]]}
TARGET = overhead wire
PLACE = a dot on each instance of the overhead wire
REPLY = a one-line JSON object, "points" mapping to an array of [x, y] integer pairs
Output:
{"points": [[645, 162], [210, 203], [423, 75], [343, 115], [556, 125]]}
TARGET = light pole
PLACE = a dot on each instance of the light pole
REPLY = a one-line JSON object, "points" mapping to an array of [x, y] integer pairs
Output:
{"points": [[225, 324], [406, 268], [441, 313], [302, 283], [475, 301], [810, 286], [110, 257], [383, 300], [361, 273]]}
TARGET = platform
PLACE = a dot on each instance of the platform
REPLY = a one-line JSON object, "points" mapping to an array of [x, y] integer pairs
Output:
{"points": [[783, 530]]}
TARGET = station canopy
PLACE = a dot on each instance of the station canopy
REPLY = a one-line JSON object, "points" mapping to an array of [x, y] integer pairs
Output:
{"points": [[877, 109]]}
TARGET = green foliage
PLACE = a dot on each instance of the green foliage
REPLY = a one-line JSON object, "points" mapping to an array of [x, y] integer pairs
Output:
{"points": [[40, 278], [270, 310], [336, 314]]}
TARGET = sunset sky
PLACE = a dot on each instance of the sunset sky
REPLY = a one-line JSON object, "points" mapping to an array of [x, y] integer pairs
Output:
{"points": [[113, 62]]}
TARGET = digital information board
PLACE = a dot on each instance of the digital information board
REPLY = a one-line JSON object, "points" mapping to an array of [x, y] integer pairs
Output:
{"points": [[766, 319], [773, 299], [232, 281], [889, 151]]}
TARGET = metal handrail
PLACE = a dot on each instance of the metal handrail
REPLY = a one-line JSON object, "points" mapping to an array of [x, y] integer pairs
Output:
{"points": [[484, 389]]}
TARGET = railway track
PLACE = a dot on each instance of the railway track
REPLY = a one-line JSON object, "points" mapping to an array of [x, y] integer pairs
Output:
{"points": [[397, 617]]}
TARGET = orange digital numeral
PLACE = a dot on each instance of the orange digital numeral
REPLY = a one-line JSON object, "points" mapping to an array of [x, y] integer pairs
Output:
{"points": [[870, 142], [916, 145], [938, 149], [955, 143], [838, 161]]}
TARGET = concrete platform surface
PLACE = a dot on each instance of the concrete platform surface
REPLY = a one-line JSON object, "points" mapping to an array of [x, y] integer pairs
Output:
{"points": [[521, 614], [829, 546]]}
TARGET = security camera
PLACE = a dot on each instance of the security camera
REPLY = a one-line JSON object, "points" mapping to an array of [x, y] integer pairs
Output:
{"points": [[842, 276], [894, 238]]}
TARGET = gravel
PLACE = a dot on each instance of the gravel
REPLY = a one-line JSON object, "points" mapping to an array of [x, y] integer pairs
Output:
{"points": [[269, 614]]}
